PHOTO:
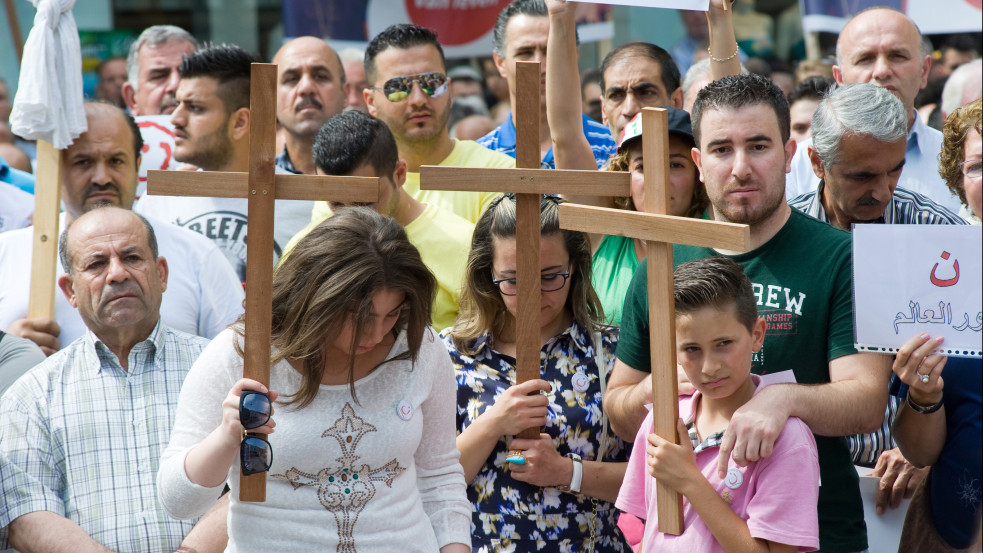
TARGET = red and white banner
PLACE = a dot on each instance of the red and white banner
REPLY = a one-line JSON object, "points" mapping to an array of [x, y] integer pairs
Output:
{"points": [[932, 16], [158, 147]]}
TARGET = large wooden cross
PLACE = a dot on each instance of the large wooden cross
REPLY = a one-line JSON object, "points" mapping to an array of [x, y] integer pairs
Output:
{"points": [[528, 182], [659, 231], [261, 186]]}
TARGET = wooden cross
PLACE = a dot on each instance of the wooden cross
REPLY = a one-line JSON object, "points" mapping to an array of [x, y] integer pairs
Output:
{"points": [[44, 246], [659, 231], [528, 182], [261, 187]]}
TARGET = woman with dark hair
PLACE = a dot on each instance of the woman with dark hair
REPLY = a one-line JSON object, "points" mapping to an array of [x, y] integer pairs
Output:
{"points": [[554, 493], [364, 444]]}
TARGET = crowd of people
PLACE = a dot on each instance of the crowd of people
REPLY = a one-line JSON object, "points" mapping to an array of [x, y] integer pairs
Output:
{"points": [[127, 425]]}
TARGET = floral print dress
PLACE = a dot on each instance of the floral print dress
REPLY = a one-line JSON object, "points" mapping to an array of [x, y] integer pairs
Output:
{"points": [[510, 515]]}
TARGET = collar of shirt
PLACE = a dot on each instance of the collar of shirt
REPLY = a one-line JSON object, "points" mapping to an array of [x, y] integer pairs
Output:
{"points": [[815, 207], [688, 413], [579, 335], [98, 356], [283, 161], [917, 136]]}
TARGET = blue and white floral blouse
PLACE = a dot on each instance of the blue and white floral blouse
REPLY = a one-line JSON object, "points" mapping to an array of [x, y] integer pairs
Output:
{"points": [[510, 515]]}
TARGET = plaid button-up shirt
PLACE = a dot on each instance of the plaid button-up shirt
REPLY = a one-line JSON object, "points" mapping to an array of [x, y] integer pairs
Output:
{"points": [[904, 208], [82, 437]]}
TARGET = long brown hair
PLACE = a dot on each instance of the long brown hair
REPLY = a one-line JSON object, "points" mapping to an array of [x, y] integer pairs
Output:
{"points": [[332, 274], [482, 309]]}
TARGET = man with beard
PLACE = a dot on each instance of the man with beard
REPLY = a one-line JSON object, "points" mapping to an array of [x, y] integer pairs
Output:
{"points": [[100, 167], [858, 151], [801, 274], [152, 69], [407, 76], [211, 125], [311, 89]]}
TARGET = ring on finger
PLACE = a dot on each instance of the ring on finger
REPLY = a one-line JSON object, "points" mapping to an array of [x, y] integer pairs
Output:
{"points": [[923, 377]]}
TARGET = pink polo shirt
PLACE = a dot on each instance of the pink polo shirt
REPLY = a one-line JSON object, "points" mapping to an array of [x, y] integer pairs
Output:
{"points": [[776, 495]]}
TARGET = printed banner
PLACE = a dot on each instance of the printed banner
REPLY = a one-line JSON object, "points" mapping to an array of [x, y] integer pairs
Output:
{"points": [[699, 5], [464, 27], [158, 147], [932, 16], [910, 279]]}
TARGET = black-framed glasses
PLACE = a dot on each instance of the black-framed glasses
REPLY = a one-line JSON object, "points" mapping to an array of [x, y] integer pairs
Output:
{"points": [[550, 282], [255, 453], [398, 89]]}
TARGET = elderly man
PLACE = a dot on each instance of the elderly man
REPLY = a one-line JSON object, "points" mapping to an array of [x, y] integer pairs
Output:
{"points": [[407, 90], [82, 432], [212, 132], [859, 135], [800, 272], [151, 68], [520, 34], [883, 47], [352, 61], [100, 167], [311, 89]]}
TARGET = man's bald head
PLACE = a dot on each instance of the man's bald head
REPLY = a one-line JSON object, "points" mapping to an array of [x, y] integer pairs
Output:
{"points": [[883, 47], [310, 85]]}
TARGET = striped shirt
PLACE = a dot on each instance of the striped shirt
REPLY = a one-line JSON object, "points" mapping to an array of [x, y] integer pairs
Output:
{"points": [[502, 139], [905, 208], [82, 437]]}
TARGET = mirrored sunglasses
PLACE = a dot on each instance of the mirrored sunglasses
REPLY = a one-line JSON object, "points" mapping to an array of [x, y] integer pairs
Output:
{"points": [[398, 89]]}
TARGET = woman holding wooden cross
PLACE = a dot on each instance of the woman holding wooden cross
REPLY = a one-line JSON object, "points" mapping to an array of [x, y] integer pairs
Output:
{"points": [[553, 493], [363, 455]]}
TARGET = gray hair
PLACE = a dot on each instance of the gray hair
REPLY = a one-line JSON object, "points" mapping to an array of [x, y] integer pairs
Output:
{"points": [[964, 82], [351, 54], [65, 254], [153, 37], [857, 109], [700, 70]]}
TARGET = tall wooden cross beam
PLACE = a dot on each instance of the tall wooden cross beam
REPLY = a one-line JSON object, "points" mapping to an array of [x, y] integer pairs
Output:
{"points": [[659, 231], [528, 182], [44, 246], [261, 186]]}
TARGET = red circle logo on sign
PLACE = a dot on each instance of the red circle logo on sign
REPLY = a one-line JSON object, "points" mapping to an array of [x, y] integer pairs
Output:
{"points": [[456, 22]]}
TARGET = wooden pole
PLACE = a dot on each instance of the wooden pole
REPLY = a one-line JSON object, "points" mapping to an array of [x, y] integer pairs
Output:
{"points": [[47, 204], [15, 34]]}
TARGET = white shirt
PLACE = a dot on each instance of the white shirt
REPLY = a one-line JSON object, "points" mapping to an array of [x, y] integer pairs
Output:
{"points": [[16, 207], [382, 471], [203, 295], [224, 222], [920, 173]]}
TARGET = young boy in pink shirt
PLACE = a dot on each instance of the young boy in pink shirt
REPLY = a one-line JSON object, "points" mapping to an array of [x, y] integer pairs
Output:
{"points": [[768, 505]]}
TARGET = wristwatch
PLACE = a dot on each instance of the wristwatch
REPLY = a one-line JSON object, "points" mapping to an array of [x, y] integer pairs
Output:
{"points": [[578, 474], [922, 409]]}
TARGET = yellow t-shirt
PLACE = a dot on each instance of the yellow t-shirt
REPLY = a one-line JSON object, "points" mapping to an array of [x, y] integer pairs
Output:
{"points": [[443, 240], [469, 205]]}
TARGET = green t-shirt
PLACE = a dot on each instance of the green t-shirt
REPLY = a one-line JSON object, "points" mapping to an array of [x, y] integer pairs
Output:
{"points": [[803, 282], [614, 263]]}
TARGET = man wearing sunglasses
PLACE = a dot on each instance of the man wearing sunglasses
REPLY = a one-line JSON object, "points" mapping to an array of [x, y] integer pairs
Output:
{"points": [[520, 35], [81, 433], [407, 76]]}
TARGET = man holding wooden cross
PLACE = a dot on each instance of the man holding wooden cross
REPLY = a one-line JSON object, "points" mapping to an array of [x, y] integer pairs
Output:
{"points": [[100, 167], [800, 270]]}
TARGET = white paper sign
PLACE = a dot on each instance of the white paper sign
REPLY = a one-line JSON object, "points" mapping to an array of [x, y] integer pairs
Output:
{"points": [[883, 531], [698, 5], [158, 147], [910, 279]]}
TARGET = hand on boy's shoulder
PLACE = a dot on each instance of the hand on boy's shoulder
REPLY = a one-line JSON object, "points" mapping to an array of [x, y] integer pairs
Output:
{"points": [[753, 429]]}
